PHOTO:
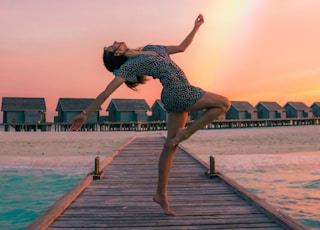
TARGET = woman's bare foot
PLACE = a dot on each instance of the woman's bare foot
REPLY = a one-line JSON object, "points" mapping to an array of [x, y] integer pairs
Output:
{"points": [[180, 136], [164, 204]]}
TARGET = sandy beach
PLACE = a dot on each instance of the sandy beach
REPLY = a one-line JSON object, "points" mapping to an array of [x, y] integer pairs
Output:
{"points": [[58, 149], [254, 149], [229, 146]]}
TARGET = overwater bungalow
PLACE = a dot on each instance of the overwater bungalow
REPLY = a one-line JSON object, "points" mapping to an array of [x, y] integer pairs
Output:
{"points": [[23, 113], [270, 109], [297, 110], [67, 108], [128, 110], [241, 110], [159, 113], [316, 109]]}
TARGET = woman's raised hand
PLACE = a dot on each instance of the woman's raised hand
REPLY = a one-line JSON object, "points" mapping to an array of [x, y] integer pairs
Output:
{"points": [[199, 21]]}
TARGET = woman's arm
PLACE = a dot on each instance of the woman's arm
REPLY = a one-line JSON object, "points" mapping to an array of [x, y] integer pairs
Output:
{"points": [[187, 41], [79, 120]]}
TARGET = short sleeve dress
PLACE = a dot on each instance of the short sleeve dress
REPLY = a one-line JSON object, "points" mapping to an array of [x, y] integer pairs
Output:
{"points": [[177, 94]]}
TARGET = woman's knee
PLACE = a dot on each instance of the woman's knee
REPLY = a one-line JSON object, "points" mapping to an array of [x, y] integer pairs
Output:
{"points": [[211, 100], [226, 104], [223, 103]]}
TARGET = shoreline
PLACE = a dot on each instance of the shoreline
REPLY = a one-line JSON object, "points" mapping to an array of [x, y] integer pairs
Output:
{"points": [[78, 149]]}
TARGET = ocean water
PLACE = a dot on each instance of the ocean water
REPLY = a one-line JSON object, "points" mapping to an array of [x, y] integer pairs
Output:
{"points": [[27, 193], [288, 181], [296, 194]]}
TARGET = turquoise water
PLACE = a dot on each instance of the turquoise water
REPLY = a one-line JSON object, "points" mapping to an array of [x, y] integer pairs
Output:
{"points": [[296, 195], [27, 193]]}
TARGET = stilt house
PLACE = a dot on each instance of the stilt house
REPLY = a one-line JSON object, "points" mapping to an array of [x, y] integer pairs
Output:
{"points": [[68, 108], [23, 110], [241, 110], [128, 110], [297, 110], [316, 109], [159, 113], [270, 110]]}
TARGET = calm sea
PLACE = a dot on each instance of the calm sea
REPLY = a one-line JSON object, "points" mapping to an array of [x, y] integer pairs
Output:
{"points": [[297, 195], [27, 193]]}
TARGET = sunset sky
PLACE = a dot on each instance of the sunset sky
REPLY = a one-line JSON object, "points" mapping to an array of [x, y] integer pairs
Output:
{"points": [[247, 50]]}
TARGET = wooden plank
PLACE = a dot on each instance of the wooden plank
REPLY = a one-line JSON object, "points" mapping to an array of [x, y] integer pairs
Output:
{"points": [[276, 215], [122, 199], [44, 221]]}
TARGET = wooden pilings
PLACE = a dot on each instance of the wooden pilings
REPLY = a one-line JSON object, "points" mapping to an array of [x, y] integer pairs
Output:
{"points": [[27, 127], [138, 126]]}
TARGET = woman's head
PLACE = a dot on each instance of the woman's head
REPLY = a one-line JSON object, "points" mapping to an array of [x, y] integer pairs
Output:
{"points": [[113, 56], [112, 62]]}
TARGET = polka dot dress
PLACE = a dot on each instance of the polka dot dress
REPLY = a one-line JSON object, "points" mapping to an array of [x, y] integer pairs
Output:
{"points": [[177, 94]]}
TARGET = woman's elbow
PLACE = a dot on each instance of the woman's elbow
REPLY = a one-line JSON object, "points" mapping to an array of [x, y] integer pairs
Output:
{"points": [[181, 49]]}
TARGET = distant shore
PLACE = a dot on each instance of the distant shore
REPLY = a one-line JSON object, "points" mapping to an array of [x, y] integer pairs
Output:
{"points": [[78, 149], [157, 125]]}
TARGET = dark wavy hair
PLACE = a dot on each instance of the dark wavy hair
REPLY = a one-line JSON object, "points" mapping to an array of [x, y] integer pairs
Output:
{"points": [[112, 62]]}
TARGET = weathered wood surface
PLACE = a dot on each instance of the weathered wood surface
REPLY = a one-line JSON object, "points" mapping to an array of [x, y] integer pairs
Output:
{"points": [[123, 198]]}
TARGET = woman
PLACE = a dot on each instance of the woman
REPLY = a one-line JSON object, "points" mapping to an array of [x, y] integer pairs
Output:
{"points": [[131, 66]]}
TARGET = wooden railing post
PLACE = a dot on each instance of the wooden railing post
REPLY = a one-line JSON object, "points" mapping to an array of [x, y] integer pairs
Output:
{"points": [[212, 168], [97, 165], [212, 165], [97, 174]]}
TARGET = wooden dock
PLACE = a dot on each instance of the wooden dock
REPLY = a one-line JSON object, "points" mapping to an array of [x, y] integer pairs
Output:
{"points": [[122, 199]]}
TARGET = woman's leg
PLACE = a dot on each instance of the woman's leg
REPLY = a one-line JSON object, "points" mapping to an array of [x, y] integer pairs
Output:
{"points": [[214, 104], [176, 121]]}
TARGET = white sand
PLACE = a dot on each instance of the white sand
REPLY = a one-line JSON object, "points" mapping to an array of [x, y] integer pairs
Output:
{"points": [[58, 149], [233, 149], [269, 149]]}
